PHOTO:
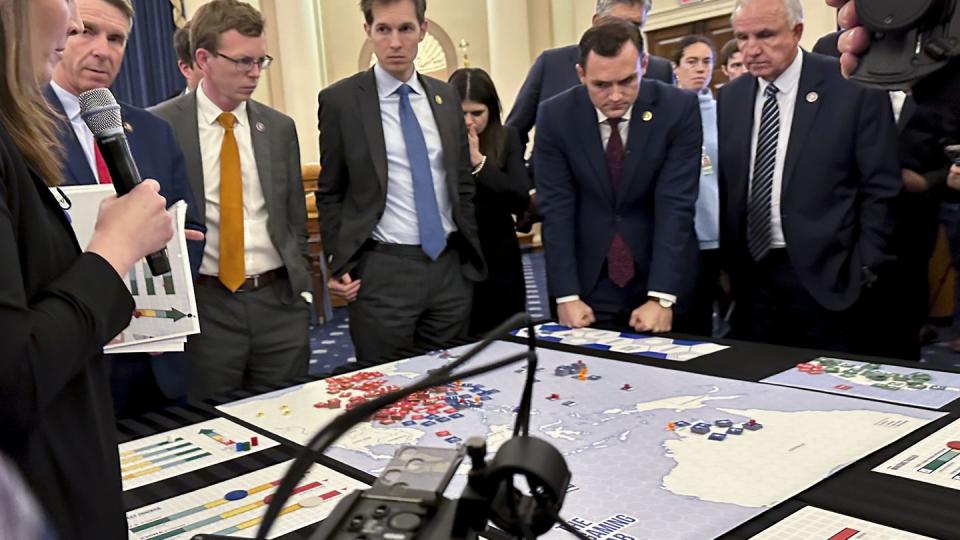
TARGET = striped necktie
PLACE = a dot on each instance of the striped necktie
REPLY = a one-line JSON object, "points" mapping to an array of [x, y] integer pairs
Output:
{"points": [[759, 230]]}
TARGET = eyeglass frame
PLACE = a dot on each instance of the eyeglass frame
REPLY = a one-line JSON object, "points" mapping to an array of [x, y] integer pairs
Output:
{"points": [[245, 65]]}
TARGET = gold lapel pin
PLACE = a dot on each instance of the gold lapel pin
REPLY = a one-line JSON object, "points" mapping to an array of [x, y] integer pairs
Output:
{"points": [[260, 127], [127, 127], [438, 99], [647, 116], [812, 97]]}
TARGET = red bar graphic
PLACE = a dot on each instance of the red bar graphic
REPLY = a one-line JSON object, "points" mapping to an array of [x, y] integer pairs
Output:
{"points": [[845, 534]]}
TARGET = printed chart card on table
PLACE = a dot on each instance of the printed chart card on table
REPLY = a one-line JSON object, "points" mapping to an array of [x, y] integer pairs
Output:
{"points": [[810, 523], [172, 453], [909, 386], [934, 460], [679, 350], [236, 507]]}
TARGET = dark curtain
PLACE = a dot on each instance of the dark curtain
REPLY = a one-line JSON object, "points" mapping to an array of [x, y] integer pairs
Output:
{"points": [[149, 74]]}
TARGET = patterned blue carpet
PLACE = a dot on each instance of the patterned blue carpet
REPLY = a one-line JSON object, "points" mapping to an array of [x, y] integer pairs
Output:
{"points": [[331, 346]]}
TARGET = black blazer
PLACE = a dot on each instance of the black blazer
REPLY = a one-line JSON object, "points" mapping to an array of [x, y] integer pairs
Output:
{"points": [[58, 308], [352, 189], [654, 207], [841, 178], [555, 71]]}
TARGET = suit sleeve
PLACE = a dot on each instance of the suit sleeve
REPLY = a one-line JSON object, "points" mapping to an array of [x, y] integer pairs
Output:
{"points": [[49, 338], [557, 202], [333, 181], [675, 199], [183, 192], [296, 203], [510, 183], [876, 155], [523, 115]]}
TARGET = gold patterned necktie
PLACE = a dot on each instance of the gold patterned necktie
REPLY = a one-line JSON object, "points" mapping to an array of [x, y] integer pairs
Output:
{"points": [[232, 271]]}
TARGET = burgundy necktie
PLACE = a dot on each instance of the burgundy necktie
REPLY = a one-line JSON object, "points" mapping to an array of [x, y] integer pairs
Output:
{"points": [[619, 258]]}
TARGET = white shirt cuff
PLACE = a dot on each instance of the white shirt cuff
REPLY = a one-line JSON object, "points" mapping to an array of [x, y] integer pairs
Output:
{"points": [[668, 297], [565, 299]]}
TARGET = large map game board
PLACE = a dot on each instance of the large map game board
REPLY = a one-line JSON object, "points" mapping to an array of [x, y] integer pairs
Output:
{"points": [[910, 386], [654, 453]]}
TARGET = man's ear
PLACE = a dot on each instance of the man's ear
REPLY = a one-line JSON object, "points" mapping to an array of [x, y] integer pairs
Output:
{"points": [[582, 75]]}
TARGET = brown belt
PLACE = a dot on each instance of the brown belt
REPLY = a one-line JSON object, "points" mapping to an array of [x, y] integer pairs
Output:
{"points": [[252, 283]]}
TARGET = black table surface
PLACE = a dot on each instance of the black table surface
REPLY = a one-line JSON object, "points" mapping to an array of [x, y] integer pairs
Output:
{"points": [[856, 491]]}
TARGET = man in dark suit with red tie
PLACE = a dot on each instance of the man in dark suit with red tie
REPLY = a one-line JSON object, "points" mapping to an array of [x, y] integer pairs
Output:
{"points": [[807, 186], [618, 163], [92, 60]]}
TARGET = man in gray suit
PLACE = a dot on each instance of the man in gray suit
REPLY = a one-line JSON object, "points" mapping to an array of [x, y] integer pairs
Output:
{"points": [[243, 160], [396, 195]]}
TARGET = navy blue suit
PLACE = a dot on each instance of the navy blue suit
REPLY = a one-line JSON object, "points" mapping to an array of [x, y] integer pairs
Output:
{"points": [[157, 156], [555, 71], [653, 209]]}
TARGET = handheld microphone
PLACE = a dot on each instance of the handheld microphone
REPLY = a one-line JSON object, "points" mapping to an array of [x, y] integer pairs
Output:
{"points": [[101, 112]]}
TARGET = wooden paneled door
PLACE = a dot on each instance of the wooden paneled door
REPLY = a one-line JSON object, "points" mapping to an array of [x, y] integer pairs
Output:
{"points": [[663, 42]]}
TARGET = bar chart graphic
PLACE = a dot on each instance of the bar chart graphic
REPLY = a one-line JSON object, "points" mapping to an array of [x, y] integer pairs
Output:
{"points": [[934, 460], [811, 523]]}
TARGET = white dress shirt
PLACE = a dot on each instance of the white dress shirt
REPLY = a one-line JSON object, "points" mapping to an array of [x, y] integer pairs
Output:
{"points": [[605, 131], [71, 107], [789, 83], [259, 253], [399, 224]]}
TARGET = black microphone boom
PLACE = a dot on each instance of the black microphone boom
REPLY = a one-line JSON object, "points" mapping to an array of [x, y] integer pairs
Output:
{"points": [[101, 113]]}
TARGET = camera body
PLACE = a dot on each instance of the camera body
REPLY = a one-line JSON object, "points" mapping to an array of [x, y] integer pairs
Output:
{"points": [[909, 40]]}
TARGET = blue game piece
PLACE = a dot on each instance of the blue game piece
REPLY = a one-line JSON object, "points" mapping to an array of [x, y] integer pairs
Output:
{"points": [[428, 424], [569, 403], [456, 415], [493, 391], [723, 423], [478, 386], [594, 377], [717, 437], [443, 419], [431, 417], [734, 431], [485, 398], [752, 426], [681, 423], [409, 423], [701, 429], [239, 447], [236, 495], [561, 371]]}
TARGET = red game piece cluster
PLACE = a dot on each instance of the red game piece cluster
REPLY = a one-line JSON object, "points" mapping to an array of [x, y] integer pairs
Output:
{"points": [[810, 368]]}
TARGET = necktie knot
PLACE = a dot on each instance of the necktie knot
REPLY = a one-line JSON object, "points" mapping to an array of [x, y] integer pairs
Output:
{"points": [[404, 90], [227, 120], [614, 122], [771, 91]]}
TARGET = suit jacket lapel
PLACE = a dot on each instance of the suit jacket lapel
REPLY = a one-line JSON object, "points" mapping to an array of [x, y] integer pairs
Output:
{"points": [[448, 138], [804, 115], [260, 136], [638, 134], [368, 103], [588, 128], [187, 128], [77, 168]]}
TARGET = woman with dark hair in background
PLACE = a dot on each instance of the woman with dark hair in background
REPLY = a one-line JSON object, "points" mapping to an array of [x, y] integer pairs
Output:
{"points": [[59, 306], [503, 186]]}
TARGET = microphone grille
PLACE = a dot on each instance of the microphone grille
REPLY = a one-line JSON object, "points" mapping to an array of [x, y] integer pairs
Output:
{"points": [[101, 112]]}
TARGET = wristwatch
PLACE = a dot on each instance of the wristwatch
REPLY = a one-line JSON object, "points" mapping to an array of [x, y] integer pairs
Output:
{"points": [[664, 303]]}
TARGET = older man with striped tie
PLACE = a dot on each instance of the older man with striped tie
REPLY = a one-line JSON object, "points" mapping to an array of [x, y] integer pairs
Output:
{"points": [[808, 184]]}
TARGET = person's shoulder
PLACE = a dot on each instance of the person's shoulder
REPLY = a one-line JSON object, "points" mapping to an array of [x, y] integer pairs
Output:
{"points": [[737, 87], [269, 113], [560, 52], [169, 108], [132, 113], [345, 86]]}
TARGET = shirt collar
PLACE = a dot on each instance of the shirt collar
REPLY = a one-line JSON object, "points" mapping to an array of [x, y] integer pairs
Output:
{"points": [[602, 118], [789, 80], [387, 84], [208, 111], [70, 102]]}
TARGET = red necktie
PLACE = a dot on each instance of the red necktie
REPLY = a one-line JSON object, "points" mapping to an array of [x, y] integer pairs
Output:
{"points": [[103, 173], [619, 259]]}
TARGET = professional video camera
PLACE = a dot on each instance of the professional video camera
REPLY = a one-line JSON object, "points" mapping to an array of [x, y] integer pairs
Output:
{"points": [[910, 39], [406, 502]]}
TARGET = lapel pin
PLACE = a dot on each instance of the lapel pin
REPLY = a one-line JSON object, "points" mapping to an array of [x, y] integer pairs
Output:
{"points": [[647, 116], [127, 127], [438, 99], [260, 127], [812, 97]]}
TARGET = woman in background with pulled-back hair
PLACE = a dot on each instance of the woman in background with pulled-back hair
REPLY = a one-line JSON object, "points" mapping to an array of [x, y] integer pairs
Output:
{"points": [[59, 306], [496, 156]]}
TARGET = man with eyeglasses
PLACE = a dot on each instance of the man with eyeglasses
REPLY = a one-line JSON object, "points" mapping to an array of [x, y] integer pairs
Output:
{"points": [[92, 59], [243, 160]]}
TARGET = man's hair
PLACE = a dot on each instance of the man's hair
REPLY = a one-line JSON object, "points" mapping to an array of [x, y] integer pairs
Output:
{"points": [[366, 6], [692, 40], [604, 6], [607, 38], [793, 8], [219, 16], [181, 44], [729, 49], [125, 7]]}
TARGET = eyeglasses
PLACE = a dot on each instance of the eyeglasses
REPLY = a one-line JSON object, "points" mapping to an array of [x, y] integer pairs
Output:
{"points": [[244, 65]]}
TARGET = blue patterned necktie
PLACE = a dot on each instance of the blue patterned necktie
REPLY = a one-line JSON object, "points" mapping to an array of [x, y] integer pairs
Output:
{"points": [[759, 231], [432, 238]]}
